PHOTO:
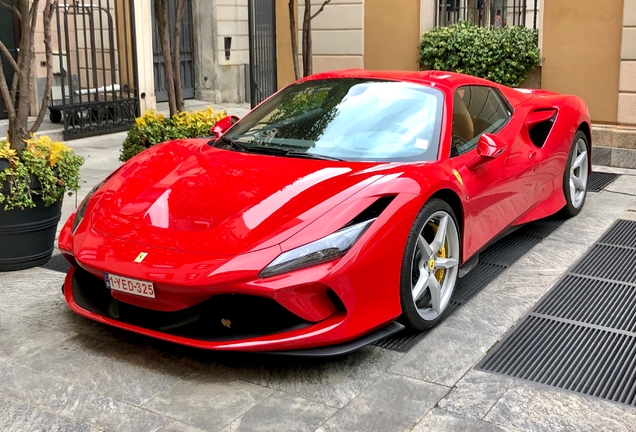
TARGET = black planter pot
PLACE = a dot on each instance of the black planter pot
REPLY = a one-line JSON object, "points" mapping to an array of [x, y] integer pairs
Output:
{"points": [[27, 237]]}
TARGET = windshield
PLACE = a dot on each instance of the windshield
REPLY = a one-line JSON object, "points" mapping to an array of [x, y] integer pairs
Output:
{"points": [[347, 119]]}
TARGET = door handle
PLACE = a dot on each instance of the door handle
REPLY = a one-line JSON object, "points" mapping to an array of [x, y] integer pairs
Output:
{"points": [[532, 155]]}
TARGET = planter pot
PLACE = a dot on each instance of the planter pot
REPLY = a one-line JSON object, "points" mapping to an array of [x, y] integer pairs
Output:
{"points": [[27, 237]]}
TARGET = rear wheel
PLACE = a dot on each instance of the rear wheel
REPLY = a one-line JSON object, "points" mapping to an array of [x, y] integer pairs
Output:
{"points": [[430, 266], [576, 176]]}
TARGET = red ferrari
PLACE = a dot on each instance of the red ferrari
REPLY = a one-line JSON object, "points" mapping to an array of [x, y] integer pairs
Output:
{"points": [[335, 213]]}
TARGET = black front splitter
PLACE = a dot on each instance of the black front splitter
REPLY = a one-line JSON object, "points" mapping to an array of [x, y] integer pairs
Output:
{"points": [[345, 348]]}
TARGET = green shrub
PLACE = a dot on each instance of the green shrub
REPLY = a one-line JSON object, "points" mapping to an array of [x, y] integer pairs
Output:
{"points": [[153, 128], [505, 55], [45, 168]]}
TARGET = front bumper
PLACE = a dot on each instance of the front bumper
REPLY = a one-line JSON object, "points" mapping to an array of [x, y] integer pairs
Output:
{"points": [[250, 323]]}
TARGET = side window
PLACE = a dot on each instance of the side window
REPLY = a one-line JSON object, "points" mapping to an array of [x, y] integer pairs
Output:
{"points": [[476, 110]]}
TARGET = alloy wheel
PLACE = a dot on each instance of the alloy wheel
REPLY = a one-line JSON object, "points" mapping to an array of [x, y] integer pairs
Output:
{"points": [[435, 265]]}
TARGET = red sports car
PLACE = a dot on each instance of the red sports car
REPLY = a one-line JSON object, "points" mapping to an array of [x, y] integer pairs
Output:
{"points": [[335, 213]]}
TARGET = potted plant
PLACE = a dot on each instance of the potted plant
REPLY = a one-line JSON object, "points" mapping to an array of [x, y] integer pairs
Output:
{"points": [[34, 183], [35, 172]]}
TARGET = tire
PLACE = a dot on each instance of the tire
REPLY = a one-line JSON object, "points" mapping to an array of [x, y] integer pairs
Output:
{"points": [[55, 116], [576, 176], [423, 253]]}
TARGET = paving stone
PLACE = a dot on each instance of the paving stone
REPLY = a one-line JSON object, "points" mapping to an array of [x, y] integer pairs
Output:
{"points": [[72, 401], [17, 416], [624, 185], [442, 421], [539, 408], [282, 412], [392, 403], [208, 401], [444, 355], [112, 369], [615, 170], [475, 394], [600, 211], [23, 336], [333, 382], [179, 427], [23, 289]]}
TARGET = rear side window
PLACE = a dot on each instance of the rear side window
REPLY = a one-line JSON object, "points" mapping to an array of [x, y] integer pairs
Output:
{"points": [[476, 110]]}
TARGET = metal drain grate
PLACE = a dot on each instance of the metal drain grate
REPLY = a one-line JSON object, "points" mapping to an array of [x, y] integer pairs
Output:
{"points": [[493, 261], [623, 234], [600, 180], [581, 336]]}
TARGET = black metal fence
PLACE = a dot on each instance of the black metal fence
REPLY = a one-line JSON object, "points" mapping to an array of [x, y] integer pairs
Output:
{"points": [[489, 13], [262, 34], [95, 84]]}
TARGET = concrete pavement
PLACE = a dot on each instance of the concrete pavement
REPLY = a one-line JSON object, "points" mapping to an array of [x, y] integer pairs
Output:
{"points": [[59, 371]]}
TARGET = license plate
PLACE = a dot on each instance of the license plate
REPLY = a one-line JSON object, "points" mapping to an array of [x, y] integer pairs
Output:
{"points": [[130, 286]]}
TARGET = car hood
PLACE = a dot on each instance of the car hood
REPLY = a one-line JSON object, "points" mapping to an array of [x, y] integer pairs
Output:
{"points": [[189, 196]]}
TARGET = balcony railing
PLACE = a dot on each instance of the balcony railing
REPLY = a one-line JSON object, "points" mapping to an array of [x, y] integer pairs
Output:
{"points": [[489, 13]]}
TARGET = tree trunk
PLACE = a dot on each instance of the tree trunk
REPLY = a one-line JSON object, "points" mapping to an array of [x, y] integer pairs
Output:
{"points": [[176, 54], [19, 129], [307, 48], [47, 16], [294, 37], [161, 11]]}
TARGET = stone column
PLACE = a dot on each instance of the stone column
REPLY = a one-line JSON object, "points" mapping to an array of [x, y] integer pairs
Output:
{"points": [[206, 71], [145, 59]]}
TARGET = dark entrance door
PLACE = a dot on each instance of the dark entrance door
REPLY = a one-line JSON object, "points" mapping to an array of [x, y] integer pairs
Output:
{"points": [[95, 81], [186, 55], [262, 31], [8, 36]]}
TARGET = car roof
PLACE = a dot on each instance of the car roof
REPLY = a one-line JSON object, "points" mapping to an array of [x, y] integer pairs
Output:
{"points": [[431, 77]]}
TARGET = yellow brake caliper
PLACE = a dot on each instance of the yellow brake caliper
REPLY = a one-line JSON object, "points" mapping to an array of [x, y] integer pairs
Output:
{"points": [[439, 274]]}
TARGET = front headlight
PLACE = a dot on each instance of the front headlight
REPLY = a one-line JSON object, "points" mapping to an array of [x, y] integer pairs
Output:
{"points": [[81, 210], [326, 249]]}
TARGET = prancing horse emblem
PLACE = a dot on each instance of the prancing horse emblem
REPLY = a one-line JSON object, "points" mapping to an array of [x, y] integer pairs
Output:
{"points": [[141, 257]]}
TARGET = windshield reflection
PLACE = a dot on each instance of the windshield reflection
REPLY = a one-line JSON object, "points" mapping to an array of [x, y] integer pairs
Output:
{"points": [[348, 119]]}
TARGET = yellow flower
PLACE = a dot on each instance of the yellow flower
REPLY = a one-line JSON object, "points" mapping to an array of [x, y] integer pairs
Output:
{"points": [[6, 152], [45, 148]]}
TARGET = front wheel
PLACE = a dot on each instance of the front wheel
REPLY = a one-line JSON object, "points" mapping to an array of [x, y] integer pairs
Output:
{"points": [[576, 176], [430, 266]]}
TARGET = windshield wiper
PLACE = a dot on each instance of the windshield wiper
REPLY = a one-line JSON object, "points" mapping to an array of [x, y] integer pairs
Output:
{"points": [[275, 151], [235, 145], [312, 156]]}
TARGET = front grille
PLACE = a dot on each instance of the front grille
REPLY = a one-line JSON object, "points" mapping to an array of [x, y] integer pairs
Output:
{"points": [[247, 316]]}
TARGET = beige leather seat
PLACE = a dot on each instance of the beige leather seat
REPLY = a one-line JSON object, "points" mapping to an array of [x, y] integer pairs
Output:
{"points": [[463, 126]]}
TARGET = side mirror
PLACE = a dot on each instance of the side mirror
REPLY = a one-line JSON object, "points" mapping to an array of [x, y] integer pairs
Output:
{"points": [[490, 147], [223, 125]]}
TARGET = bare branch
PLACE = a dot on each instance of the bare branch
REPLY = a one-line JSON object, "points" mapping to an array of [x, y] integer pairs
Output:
{"points": [[321, 9], [176, 54], [294, 37], [9, 57], [13, 9], [6, 95]]}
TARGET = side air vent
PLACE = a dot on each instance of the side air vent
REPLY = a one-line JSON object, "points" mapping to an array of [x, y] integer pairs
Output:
{"points": [[540, 123], [373, 211]]}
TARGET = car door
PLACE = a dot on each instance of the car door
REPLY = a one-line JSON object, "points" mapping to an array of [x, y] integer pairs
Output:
{"points": [[500, 189]]}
